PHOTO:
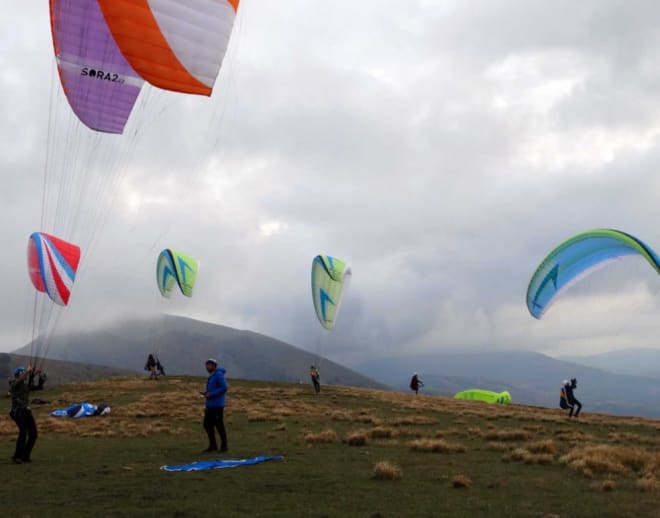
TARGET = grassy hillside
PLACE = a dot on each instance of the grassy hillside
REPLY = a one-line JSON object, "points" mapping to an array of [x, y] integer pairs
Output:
{"points": [[446, 457], [183, 344]]}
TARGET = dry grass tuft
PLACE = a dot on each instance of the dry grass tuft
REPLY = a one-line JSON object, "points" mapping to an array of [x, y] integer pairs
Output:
{"points": [[340, 415], [382, 432], [7, 427], [569, 435], [357, 438], [436, 446], [367, 419], [524, 455], [508, 435], [518, 454], [604, 459], [324, 437], [461, 481], [385, 470], [606, 486], [412, 420], [633, 438], [649, 484], [548, 446]]}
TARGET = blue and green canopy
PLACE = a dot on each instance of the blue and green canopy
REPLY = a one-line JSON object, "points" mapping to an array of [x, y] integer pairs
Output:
{"points": [[329, 280], [172, 268], [576, 258]]}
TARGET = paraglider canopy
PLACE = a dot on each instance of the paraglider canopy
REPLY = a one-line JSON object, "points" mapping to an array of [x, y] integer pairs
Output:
{"points": [[576, 258], [100, 85], [487, 396], [174, 45], [329, 280], [52, 266], [173, 266]]}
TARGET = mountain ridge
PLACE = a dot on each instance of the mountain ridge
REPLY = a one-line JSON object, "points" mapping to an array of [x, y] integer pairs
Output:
{"points": [[635, 361], [183, 344]]}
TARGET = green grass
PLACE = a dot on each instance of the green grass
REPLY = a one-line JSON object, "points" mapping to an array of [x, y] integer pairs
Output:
{"points": [[110, 466]]}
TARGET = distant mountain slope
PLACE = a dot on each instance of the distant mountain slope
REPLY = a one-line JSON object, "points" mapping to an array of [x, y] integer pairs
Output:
{"points": [[61, 371], [184, 344], [531, 378], [636, 362]]}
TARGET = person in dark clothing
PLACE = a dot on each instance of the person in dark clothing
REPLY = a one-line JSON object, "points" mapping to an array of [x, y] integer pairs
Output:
{"points": [[316, 378], [563, 399], [416, 383], [216, 388], [159, 367], [151, 367], [22, 415], [572, 401], [40, 378]]}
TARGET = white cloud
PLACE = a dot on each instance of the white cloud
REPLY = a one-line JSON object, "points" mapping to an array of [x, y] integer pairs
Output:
{"points": [[442, 150]]}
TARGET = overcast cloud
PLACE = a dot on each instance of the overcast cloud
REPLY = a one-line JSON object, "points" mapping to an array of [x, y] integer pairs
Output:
{"points": [[442, 147]]}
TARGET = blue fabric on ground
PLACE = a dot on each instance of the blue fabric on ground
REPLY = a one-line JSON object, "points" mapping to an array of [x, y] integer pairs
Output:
{"points": [[80, 410], [203, 465]]}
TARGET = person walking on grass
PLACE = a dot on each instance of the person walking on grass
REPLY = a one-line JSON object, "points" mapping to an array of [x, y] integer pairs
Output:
{"points": [[416, 383], [316, 378], [216, 388], [21, 414]]}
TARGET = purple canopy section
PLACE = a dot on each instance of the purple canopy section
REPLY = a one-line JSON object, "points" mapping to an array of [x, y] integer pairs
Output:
{"points": [[100, 85]]}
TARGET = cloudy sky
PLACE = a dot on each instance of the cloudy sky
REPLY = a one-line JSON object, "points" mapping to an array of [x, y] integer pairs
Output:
{"points": [[443, 149]]}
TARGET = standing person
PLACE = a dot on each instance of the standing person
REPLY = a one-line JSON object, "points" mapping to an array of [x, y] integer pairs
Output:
{"points": [[151, 367], [416, 383], [40, 380], [316, 378], [216, 388], [19, 389], [160, 367], [572, 400], [563, 398]]}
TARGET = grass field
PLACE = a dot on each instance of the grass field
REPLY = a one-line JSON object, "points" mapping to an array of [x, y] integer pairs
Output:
{"points": [[348, 452]]}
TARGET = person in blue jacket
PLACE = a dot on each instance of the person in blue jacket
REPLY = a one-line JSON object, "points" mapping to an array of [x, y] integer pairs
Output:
{"points": [[216, 388]]}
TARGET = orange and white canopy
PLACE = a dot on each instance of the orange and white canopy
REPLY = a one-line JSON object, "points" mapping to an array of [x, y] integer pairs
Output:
{"points": [[177, 45]]}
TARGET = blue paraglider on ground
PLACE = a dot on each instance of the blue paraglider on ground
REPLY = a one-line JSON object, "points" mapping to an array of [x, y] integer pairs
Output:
{"points": [[220, 464]]}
